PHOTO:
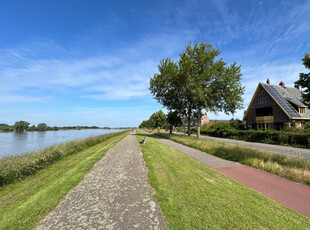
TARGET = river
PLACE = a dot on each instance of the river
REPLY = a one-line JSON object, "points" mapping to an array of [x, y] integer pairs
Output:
{"points": [[18, 143]]}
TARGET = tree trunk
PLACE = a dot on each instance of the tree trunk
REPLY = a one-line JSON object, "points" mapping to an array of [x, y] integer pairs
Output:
{"points": [[189, 124], [198, 123]]}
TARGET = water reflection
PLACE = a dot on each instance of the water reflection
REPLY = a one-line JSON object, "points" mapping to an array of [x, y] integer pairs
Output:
{"points": [[18, 143]]}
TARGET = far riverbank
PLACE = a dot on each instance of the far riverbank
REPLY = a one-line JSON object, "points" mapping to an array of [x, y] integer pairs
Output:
{"points": [[18, 143]]}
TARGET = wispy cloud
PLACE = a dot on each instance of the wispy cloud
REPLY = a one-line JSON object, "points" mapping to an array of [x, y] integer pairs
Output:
{"points": [[22, 98], [122, 75], [275, 71], [267, 41], [106, 74]]}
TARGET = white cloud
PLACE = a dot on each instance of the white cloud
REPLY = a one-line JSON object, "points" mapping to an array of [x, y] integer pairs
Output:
{"points": [[22, 98], [123, 75], [276, 72], [111, 75]]}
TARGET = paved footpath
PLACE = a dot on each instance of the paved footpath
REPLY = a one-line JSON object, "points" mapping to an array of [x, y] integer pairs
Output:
{"points": [[115, 194], [291, 151], [293, 195]]}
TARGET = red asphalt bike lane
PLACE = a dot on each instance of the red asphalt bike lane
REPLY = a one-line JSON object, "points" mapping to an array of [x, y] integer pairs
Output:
{"points": [[293, 195]]}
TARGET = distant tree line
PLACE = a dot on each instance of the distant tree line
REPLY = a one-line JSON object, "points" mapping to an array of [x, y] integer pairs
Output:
{"points": [[21, 126], [159, 120]]}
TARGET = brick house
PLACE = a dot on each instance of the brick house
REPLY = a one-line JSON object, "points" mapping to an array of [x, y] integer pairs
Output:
{"points": [[276, 107], [204, 119]]}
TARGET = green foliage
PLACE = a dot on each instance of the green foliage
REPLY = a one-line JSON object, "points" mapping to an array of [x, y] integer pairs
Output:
{"points": [[42, 127], [173, 119], [198, 81], [32, 128], [156, 120], [268, 136], [6, 128], [237, 124], [304, 79], [55, 128], [21, 126], [307, 127], [235, 129], [18, 167], [3, 125], [25, 203], [293, 168], [194, 196]]}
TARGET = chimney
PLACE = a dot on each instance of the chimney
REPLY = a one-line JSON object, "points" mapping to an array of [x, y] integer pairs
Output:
{"points": [[268, 81], [282, 84]]}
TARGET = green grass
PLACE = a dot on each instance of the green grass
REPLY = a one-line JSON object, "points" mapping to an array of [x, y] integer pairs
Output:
{"points": [[194, 196], [292, 168], [23, 204], [19, 167]]}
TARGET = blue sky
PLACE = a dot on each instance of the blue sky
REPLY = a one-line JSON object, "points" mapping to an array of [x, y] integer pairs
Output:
{"points": [[89, 62]]}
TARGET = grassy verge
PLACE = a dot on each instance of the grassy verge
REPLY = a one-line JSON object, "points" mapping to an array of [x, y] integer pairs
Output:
{"points": [[194, 196], [296, 169], [23, 204], [18, 167]]}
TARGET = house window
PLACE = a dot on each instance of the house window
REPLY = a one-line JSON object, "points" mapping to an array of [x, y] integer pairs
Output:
{"points": [[269, 126], [302, 110], [262, 100], [264, 126]]}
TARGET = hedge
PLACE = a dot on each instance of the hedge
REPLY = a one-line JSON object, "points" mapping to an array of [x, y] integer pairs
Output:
{"points": [[268, 136]]}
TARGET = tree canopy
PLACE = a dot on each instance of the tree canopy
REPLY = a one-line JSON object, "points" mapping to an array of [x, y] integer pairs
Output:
{"points": [[198, 81], [173, 120], [156, 120], [42, 127], [20, 126], [304, 79]]}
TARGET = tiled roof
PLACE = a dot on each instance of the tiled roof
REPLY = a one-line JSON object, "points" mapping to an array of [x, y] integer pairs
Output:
{"points": [[289, 95]]}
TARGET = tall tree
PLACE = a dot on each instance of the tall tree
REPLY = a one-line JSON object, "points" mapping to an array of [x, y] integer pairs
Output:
{"points": [[173, 120], [158, 119], [168, 89], [304, 79], [42, 127], [197, 82], [21, 126]]}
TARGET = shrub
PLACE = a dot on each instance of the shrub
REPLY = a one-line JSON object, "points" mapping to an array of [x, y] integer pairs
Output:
{"points": [[307, 127], [268, 136], [18, 167], [292, 168]]}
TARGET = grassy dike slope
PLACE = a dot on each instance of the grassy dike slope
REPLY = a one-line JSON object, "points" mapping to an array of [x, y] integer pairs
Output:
{"points": [[194, 196], [23, 204], [292, 168]]}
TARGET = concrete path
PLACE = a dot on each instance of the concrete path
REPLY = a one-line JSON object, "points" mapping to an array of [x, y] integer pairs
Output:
{"points": [[115, 194], [291, 151], [293, 195]]}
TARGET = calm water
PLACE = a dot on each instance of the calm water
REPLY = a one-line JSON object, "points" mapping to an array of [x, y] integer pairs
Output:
{"points": [[18, 143]]}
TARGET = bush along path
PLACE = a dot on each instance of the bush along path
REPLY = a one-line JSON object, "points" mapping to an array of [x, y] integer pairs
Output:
{"points": [[24, 203], [115, 194], [293, 195], [280, 149], [16, 168]]}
